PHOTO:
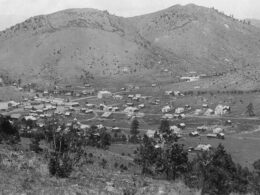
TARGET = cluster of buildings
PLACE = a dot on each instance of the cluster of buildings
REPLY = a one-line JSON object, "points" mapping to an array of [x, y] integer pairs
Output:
{"points": [[5, 106], [36, 108], [220, 110]]}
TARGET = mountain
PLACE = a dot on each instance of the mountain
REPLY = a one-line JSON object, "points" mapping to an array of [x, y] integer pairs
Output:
{"points": [[203, 37], [79, 44]]}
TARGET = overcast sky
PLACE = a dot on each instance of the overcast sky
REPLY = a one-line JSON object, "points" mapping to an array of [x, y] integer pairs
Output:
{"points": [[14, 11]]}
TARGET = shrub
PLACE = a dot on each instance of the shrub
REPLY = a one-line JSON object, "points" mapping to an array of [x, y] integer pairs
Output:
{"points": [[123, 167], [116, 165], [216, 173], [60, 165], [35, 145], [103, 163], [174, 162], [8, 131], [90, 155]]}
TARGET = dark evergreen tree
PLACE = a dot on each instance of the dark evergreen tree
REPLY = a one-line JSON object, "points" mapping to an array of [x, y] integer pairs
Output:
{"points": [[8, 131], [35, 145], [147, 155], [134, 131], [218, 172], [250, 109], [105, 140], [134, 127], [174, 162], [164, 126]]}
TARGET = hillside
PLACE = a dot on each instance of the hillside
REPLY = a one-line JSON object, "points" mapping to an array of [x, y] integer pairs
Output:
{"points": [[204, 38], [67, 44], [254, 22], [78, 44], [27, 173]]}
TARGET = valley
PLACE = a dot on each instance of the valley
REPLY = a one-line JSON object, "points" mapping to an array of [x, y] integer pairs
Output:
{"points": [[162, 103]]}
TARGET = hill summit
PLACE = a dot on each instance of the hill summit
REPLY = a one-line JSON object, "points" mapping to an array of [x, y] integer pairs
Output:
{"points": [[76, 43]]}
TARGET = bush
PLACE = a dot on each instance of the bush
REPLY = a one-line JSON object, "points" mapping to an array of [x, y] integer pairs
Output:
{"points": [[8, 131], [123, 167], [60, 165], [103, 163], [90, 155], [173, 162], [215, 173], [35, 145], [116, 165]]}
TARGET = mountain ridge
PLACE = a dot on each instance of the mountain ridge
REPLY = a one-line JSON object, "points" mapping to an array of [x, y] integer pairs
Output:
{"points": [[66, 44]]}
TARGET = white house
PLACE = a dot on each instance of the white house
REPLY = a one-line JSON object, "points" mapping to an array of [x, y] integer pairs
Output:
{"points": [[72, 104], [84, 127], [202, 128], [100, 126], [115, 109], [168, 92], [131, 110], [131, 96], [58, 101], [175, 129], [166, 109], [167, 116], [190, 79], [90, 105], [89, 111], [130, 104], [177, 93], [13, 104], [205, 105], [138, 96], [150, 133], [67, 114], [118, 97], [221, 110], [104, 94], [194, 133], [3, 106], [218, 130], [141, 106], [182, 125], [32, 118], [203, 147], [209, 112], [197, 112], [106, 114], [179, 110]]}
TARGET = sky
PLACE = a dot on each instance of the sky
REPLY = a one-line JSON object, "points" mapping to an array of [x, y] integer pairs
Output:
{"points": [[15, 11]]}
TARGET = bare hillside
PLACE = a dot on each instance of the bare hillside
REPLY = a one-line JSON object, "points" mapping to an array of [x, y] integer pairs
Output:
{"points": [[76, 44], [206, 39]]}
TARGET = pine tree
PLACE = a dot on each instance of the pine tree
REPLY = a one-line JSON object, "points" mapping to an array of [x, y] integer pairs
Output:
{"points": [[35, 145], [134, 127], [250, 109], [147, 155], [164, 126], [105, 140], [174, 161], [134, 131]]}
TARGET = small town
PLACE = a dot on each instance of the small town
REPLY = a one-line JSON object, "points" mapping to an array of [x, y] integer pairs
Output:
{"points": [[129, 97]]}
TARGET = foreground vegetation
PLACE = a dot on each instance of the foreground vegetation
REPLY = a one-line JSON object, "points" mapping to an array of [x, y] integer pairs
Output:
{"points": [[159, 157]]}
